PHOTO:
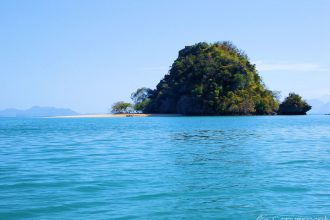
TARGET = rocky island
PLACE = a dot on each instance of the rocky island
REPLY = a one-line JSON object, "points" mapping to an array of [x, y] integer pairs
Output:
{"points": [[212, 79]]}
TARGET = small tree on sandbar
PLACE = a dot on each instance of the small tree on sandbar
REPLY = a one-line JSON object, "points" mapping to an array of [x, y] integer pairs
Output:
{"points": [[122, 108]]}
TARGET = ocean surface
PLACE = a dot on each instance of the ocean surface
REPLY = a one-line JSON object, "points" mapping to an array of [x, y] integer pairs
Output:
{"points": [[165, 168]]}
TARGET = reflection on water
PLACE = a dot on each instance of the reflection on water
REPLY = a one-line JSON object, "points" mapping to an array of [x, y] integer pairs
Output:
{"points": [[214, 149], [214, 135]]}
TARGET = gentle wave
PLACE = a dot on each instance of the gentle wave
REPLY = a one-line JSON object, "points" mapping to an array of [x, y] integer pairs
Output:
{"points": [[164, 168]]}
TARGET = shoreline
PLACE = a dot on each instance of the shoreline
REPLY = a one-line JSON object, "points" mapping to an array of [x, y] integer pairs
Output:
{"points": [[159, 115], [116, 115]]}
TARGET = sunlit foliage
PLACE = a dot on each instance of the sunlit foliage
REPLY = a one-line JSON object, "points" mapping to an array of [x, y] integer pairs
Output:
{"points": [[212, 79], [122, 108]]}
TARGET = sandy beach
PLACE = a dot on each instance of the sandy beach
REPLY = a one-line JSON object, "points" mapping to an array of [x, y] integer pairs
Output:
{"points": [[115, 115]]}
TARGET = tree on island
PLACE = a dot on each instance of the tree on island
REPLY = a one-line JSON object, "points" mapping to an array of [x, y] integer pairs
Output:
{"points": [[211, 79], [294, 105], [122, 108], [141, 99]]}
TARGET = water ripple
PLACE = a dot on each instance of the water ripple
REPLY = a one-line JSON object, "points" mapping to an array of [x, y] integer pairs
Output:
{"points": [[164, 168]]}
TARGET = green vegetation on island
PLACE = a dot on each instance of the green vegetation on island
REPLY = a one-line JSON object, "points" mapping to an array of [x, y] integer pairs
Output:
{"points": [[141, 99], [294, 105], [212, 79], [122, 108]]}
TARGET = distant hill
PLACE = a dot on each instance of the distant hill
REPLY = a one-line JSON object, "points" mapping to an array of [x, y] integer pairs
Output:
{"points": [[37, 111], [319, 107]]}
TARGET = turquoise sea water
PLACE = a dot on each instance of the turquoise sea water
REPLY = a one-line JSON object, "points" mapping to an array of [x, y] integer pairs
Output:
{"points": [[165, 168]]}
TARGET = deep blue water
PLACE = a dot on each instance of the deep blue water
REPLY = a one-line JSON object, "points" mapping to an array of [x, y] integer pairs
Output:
{"points": [[165, 167]]}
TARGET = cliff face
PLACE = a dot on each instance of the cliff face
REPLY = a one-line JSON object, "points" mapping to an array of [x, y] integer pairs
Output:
{"points": [[212, 79]]}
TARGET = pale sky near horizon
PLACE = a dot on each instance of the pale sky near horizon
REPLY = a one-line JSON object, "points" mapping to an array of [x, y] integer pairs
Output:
{"points": [[85, 55]]}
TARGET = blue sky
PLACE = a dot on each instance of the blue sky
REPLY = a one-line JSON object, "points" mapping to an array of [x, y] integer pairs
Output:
{"points": [[85, 55]]}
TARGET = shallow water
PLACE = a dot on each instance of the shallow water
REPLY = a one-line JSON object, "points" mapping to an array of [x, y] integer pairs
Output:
{"points": [[165, 167]]}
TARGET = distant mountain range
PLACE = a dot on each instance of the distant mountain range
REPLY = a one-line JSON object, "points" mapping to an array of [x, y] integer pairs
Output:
{"points": [[319, 107], [36, 111]]}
